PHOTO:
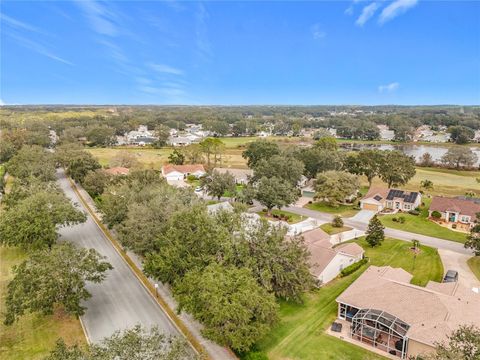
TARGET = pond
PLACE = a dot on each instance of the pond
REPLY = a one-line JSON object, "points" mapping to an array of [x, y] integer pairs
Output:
{"points": [[437, 151]]}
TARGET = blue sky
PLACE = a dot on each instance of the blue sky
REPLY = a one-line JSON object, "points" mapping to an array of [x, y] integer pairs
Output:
{"points": [[174, 52]]}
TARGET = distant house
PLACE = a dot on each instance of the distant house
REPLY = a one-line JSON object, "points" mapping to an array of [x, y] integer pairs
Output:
{"points": [[179, 141], [385, 132], [179, 172], [221, 206], [461, 212], [378, 199], [326, 262], [382, 309], [242, 176], [117, 171], [142, 136]]}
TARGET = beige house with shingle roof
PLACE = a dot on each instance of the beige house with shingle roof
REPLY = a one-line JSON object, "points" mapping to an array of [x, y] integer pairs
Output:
{"points": [[390, 314]]}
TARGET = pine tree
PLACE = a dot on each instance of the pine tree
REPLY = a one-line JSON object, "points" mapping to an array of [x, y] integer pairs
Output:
{"points": [[375, 233]]}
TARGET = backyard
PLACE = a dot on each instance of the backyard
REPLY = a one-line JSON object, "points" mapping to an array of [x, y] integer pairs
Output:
{"points": [[300, 331], [34, 335], [420, 224], [276, 214]]}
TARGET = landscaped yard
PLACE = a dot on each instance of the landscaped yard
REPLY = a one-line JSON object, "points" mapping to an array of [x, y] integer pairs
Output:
{"points": [[421, 225], [300, 333], [33, 336], [474, 264], [292, 217], [342, 210], [331, 230]]}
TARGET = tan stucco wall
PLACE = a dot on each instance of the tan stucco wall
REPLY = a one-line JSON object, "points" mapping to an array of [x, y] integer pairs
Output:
{"points": [[416, 348]]}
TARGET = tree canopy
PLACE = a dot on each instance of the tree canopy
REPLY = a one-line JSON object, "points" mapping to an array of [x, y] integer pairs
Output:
{"points": [[335, 187], [260, 149]]}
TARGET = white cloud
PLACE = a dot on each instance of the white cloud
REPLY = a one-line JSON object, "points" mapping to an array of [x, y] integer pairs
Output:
{"points": [[367, 12], [204, 46], [349, 10], [396, 8], [317, 32], [38, 48], [165, 69], [2, 103], [389, 88], [102, 20], [18, 24]]}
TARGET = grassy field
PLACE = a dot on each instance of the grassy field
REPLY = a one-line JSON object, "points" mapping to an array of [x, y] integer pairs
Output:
{"points": [[293, 218], [300, 333], [331, 230], [33, 336], [342, 210], [474, 264], [421, 225], [445, 181]]}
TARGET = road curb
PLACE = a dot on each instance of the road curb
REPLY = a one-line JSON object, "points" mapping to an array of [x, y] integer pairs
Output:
{"points": [[176, 321]]}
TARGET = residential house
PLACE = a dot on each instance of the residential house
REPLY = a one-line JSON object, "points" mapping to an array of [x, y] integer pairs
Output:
{"points": [[140, 137], [115, 171], [378, 199], [221, 206], [326, 262], [454, 211], [179, 172], [242, 176], [384, 310], [386, 133]]}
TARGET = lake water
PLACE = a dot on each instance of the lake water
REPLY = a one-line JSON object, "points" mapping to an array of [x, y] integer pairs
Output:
{"points": [[437, 151]]}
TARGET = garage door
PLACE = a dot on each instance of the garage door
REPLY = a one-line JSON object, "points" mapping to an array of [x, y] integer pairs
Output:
{"points": [[370, 207]]}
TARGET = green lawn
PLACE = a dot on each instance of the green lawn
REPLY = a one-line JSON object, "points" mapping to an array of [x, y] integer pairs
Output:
{"points": [[33, 336], [342, 210], [331, 230], [300, 331], [474, 264], [421, 225], [293, 218]]}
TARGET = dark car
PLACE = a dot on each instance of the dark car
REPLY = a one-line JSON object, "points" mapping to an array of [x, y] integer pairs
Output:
{"points": [[450, 276]]}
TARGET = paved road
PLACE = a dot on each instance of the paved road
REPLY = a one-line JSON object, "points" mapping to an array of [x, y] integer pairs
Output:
{"points": [[455, 261], [120, 301], [397, 234]]}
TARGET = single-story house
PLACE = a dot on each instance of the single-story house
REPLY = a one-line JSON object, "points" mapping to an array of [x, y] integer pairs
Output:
{"points": [[179, 172], [221, 206], [242, 176], [327, 261], [117, 171], [378, 199], [455, 211], [382, 309]]}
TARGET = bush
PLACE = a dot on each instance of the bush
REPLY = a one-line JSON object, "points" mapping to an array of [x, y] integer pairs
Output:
{"points": [[354, 267], [414, 212], [436, 214], [191, 177], [394, 219], [454, 226], [255, 355], [337, 222], [401, 219]]}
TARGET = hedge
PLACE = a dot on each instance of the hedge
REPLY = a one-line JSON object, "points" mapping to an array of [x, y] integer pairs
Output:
{"points": [[354, 267]]}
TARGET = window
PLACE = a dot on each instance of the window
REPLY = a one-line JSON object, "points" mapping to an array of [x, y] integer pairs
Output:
{"points": [[407, 206], [465, 219]]}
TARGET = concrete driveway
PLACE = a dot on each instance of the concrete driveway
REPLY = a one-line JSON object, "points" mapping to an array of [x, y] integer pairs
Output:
{"points": [[363, 216], [454, 261]]}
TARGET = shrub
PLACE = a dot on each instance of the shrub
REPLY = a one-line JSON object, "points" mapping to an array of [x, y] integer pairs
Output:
{"points": [[337, 222], [255, 355], [454, 226], [436, 214], [414, 212], [191, 177], [354, 267], [394, 219], [401, 219]]}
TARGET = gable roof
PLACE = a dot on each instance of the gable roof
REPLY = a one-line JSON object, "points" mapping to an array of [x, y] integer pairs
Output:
{"points": [[431, 314], [242, 174], [464, 207], [184, 169], [377, 193]]}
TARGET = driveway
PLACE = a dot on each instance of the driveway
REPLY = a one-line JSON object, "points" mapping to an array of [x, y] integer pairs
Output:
{"points": [[363, 216], [455, 261], [120, 301]]}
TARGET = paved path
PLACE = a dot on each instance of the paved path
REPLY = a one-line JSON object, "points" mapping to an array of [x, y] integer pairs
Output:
{"points": [[455, 261], [120, 301], [397, 234]]}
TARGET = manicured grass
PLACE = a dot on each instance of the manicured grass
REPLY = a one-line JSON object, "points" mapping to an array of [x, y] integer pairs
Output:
{"points": [[445, 181], [293, 218], [300, 333], [343, 210], [34, 335], [331, 230], [474, 264], [423, 226]]}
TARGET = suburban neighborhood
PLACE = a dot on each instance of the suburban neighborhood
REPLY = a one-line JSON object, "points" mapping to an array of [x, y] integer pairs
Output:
{"points": [[240, 180]]}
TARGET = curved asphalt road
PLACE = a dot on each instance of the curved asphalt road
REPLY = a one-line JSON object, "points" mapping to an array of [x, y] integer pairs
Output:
{"points": [[120, 301]]}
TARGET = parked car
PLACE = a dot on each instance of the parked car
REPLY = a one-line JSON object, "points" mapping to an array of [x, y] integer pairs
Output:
{"points": [[451, 276], [198, 189]]}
